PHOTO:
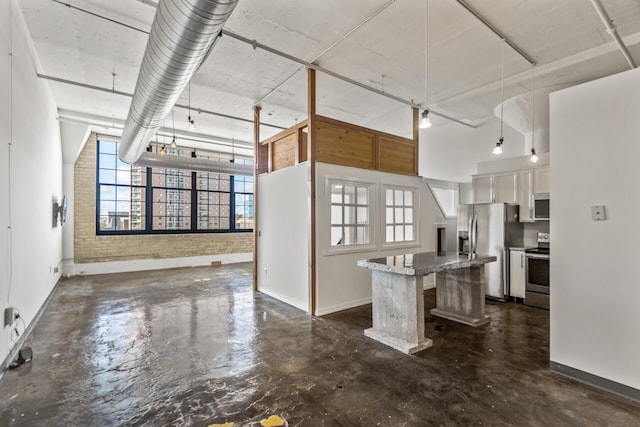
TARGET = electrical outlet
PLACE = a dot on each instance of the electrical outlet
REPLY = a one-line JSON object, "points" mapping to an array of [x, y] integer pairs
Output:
{"points": [[11, 314]]}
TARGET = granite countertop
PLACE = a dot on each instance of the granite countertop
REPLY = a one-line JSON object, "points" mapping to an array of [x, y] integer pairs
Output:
{"points": [[520, 248], [424, 263]]}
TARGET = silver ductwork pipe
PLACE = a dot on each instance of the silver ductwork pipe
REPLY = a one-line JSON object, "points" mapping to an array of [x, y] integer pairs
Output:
{"points": [[181, 37], [155, 160]]}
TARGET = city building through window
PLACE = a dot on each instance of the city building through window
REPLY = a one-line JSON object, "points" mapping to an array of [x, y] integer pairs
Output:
{"points": [[137, 200]]}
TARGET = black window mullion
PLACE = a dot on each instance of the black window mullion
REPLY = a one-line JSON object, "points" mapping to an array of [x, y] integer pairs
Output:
{"points": [[194, 202], [232, 203], [148, 209]]}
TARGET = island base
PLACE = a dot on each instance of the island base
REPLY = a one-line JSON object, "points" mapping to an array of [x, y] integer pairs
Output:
{"points": [[460, 319], [398, 343], [398, 312], [460, 295]]}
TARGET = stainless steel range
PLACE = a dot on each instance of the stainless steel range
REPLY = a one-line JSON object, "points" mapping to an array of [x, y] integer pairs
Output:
{"points": [[537, 273]]}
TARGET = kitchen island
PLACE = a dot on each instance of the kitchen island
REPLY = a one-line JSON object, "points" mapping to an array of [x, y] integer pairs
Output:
{"points": [[398, 298]]}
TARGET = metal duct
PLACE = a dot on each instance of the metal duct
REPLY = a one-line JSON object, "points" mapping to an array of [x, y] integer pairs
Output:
{"points": [[155, 160], [182, 35]]}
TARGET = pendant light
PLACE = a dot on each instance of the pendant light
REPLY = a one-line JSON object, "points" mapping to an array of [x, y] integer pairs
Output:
{"points": [[498, 147], [425, 122], [192, 123], [173, 145], [534, 157]]}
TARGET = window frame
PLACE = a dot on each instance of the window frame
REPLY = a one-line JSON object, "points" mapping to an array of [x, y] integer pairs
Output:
{"points": [[148, 189], [383, 223], [372, 207]]}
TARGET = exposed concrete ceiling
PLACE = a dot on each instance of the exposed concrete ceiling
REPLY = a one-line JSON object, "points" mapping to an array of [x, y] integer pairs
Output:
{"points": [[566, 39]]}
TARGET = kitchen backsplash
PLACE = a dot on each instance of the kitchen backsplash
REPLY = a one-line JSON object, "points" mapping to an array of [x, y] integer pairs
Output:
{"points": [[531, 230]]}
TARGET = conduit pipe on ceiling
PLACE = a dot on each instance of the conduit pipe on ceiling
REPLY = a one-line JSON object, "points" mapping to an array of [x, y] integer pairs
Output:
{"points": [[182, 35], [613, 31], [156, 160]]}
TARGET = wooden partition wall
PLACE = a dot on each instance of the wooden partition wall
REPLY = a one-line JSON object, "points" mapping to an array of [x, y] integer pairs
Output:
{"points": [[325, 140], [339, 143]]}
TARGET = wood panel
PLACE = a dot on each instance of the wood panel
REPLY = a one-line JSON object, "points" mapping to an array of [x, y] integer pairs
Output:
{"points": [[284, 152], [397, 156], [340, 145]]}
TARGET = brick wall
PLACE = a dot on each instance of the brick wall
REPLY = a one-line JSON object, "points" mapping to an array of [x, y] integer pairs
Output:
{"points": [[88, 247]]}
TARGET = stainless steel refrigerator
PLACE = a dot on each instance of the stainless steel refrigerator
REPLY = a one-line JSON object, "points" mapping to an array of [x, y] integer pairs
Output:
{"points": [[491, 228]]}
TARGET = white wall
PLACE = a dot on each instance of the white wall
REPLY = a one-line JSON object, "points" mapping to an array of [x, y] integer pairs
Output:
{"points": [[73, 137], [595, 293], [341, 284], [284, 235], [451, 152], [28, 258]]}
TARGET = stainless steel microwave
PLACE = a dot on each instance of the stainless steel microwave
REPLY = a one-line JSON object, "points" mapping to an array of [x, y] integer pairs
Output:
{"points": [[541, 207]]}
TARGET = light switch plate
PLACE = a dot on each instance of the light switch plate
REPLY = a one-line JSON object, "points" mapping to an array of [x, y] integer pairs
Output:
{"points": [[598, 213]]}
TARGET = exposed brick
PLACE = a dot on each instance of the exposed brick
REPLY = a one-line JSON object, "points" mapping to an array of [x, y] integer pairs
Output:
{"points": [[89, 247]]}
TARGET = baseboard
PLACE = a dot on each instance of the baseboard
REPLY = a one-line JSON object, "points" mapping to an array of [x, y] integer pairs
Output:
{"points": [[27, 332], [285, 299], [73, 269], [596, 381], [345, 306]]}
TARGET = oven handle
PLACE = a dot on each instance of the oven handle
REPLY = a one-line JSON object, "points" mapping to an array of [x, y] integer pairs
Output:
{"points": [[536, 256]]}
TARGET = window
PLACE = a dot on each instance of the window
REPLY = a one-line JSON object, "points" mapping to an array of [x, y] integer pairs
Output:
{"points": [[447, 199], [350, 214], [134, 199], [399, 215]]}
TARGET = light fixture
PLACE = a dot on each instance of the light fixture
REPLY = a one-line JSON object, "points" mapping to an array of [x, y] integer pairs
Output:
{"points": [[192, 123], [498, 147], [534, 157], [173, 144], [163, 150], [425, 121]]}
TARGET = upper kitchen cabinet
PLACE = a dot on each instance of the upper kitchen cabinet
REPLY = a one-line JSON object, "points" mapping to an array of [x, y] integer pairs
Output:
{"points": [[483, 189], [505, 187], [498, 188], [526, 196], [541, 181]]}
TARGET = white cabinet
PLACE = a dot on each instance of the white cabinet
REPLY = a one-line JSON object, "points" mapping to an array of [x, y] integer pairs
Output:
{"points": [[483, 189], [499, 188], [516, 273], [541, 181], [525, 199], [505, 188]]}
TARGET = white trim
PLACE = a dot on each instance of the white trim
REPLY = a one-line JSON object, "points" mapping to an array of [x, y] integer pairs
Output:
{"points": [[297, 304], [373, 206], [72, 269], [383, 214], [342, 306]]}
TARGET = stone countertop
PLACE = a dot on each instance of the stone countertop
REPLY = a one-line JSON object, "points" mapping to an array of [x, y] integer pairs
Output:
{"points": [[424, 263]]}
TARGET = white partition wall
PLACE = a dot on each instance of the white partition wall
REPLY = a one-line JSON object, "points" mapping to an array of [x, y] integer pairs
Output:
{"points": [[595, 286], [284, 235], [340, 283]]}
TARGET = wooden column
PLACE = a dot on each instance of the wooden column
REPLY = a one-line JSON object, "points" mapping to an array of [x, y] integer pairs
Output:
{"points": [[256, 158], [311, 156], [416, 136]]}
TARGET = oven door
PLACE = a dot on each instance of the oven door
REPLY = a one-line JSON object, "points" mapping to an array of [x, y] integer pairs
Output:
{"points": [[537, 273]]}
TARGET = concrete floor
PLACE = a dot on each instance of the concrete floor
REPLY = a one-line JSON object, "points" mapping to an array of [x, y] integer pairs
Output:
{"points": [[196, 346]]}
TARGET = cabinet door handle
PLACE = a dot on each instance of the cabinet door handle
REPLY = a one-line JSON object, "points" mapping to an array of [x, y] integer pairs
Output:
{"points": [[521, 260]]}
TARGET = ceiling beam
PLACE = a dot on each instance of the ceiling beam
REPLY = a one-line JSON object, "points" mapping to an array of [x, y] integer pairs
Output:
{"points": [[130, 95], [497, 32], [257, 45], [321, 54]]}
